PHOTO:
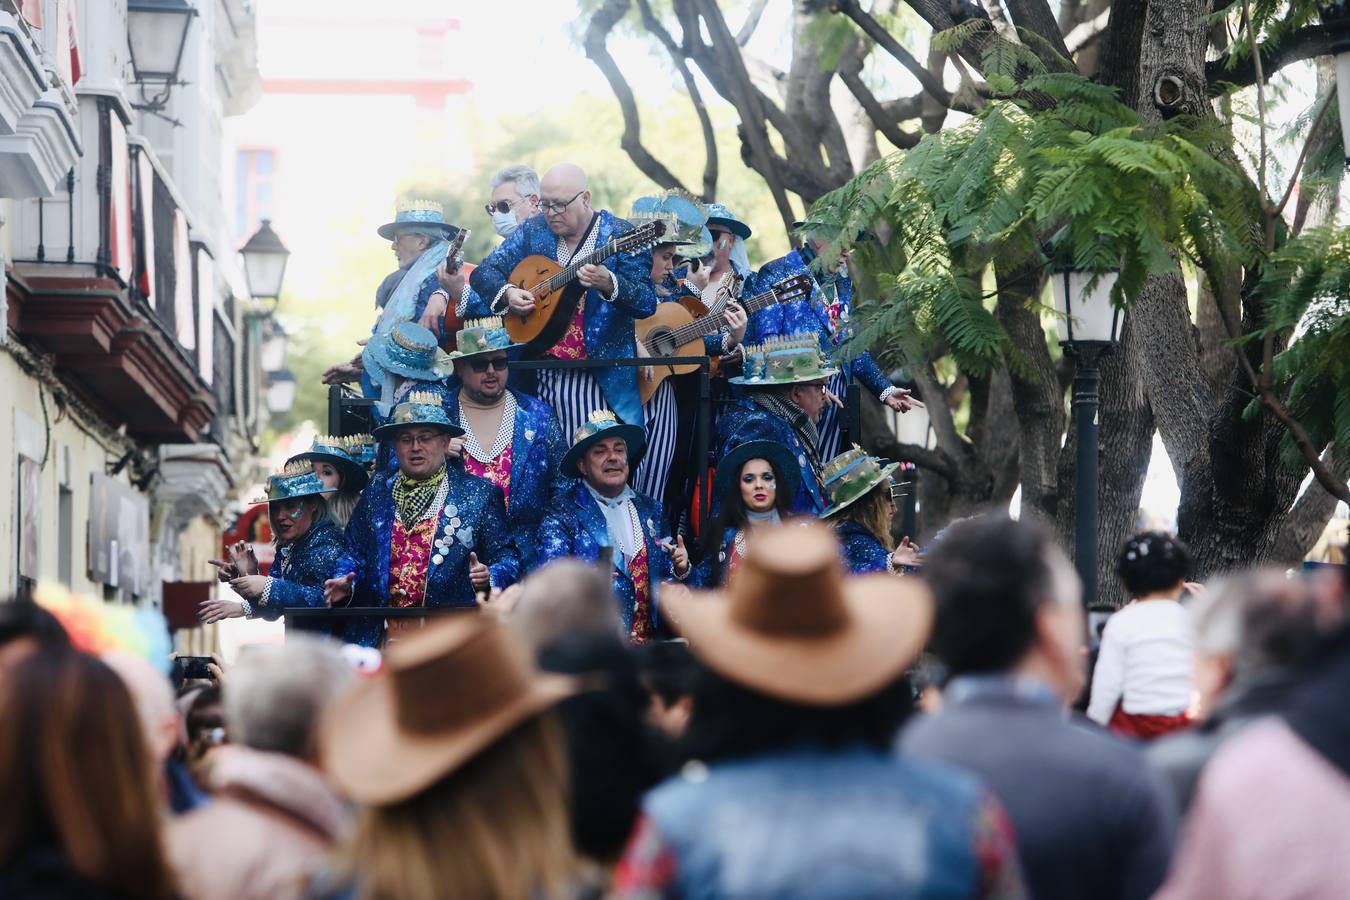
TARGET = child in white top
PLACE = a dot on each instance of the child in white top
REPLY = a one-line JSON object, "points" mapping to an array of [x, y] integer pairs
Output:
{"points": [[1142, 684]]}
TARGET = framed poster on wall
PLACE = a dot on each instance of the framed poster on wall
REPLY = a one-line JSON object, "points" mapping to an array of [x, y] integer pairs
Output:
{"points": [[119, 536], [28, 516]]}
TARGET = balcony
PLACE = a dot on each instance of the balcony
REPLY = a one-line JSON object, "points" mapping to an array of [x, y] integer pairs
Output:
{"points": [[38, 140]]}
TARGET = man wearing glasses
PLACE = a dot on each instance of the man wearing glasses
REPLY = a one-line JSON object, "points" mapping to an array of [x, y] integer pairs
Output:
{"points": [[515, 198], [617, 292], [510, 439]]}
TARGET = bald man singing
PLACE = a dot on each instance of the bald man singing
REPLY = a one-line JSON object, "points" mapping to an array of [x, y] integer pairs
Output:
{"points": [[618, 291]]}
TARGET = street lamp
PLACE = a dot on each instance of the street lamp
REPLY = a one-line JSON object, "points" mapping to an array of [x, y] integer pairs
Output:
{"points": [[264, 262], [1089, 327], [272, 348], [156, 37], [1336, 20], [914, 427], [281, 391]]}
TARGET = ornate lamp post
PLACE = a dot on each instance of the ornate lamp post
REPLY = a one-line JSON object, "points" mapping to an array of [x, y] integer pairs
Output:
{"points": [[1089, 328], [157, 33], [264, 262], [1336, 21]]}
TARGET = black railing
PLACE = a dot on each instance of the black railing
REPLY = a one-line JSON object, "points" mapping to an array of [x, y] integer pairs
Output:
{"points": [[222, 380]]}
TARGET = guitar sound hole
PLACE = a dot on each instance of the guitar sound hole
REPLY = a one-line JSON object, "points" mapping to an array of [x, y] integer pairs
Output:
{"points": [[661, 343]]}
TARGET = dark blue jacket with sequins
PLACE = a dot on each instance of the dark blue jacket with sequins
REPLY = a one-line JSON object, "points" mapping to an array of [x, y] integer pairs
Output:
{"points": [[302, 567], [746, 420], [862, 551]]}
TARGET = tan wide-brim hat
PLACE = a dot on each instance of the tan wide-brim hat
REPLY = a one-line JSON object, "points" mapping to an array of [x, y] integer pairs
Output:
{"points": [[793, 626], [445, 694]]}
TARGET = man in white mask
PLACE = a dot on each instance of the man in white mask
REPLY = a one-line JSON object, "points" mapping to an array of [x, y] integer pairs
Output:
{"points": [[515, 197]]}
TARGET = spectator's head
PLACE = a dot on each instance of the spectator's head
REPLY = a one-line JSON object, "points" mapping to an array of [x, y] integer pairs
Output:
{"points": [[26, 628], [278, 692], [611, 761], [515, 198], [1007, 599], [1154, 563], [76, 775], [155, 707], [565, 597], [1250, 625], [668, 670]]}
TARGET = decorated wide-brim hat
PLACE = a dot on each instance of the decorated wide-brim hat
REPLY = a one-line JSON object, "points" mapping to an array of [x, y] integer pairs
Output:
{"points": [[602, 424], [795, 359], [850, 476], [721, 217], [421, 213], [339, 451], [685, 219], [790, 625], [296, 480], [400, 730], [419, 408], [364, 449], [779, 456], [479, 336], [409, 350]]}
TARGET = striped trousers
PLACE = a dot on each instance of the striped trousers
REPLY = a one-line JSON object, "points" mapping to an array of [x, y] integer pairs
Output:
{"points": [[662, 422], [831, 420], [573, 394]]}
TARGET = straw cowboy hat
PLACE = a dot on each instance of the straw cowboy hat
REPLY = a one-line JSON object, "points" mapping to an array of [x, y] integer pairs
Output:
{"points": [[791, 626], [402, 729]]}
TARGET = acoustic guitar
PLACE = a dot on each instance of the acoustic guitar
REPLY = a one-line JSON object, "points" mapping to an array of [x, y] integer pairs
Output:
{"points": [[673, 331], [556, 291], [454, 261]]}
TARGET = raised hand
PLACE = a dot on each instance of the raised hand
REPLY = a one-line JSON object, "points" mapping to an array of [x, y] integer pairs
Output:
{"points": [[907, 553], [679, 555], [215, 610], [250, 587], [903, 401], [338, 591], [479, 576]]}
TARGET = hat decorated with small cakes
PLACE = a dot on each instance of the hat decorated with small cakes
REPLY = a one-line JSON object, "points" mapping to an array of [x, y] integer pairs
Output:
{"points": [[794, 359], [341, 452], [685, 218], [851, 475], [409, 350], [422, 408], [482, 336], [420, 214], [296, 480], [602, 424]]}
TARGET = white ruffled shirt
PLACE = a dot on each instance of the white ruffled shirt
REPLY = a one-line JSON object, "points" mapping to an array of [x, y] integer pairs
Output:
{"points": [[1146, 662]]}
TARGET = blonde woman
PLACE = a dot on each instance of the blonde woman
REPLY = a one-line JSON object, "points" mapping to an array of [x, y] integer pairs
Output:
{"points": [[861, 509], [335, 460]]}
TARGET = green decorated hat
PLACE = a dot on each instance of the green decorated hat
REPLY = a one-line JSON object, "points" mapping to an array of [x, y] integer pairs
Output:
{"points": [[602, 424], [418, 408], [851, 475], [297, 479], [482, 336], [340, 451], [795, 359]]}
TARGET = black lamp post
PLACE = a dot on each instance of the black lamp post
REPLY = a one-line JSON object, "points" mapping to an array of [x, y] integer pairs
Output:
{"points": [[1089, 327], [264, 262], [157, 33], [1336, 20]]}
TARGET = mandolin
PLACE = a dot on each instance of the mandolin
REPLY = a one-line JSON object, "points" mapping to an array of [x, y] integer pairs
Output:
{"points": [[454, 259], [673, 331], [556, 293]]}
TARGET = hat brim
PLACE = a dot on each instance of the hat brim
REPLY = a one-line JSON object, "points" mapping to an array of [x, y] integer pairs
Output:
{"points": [[729, 466], [770, 382], [888, 623], [887, 470], [385, 432], [259, 501], [385, 364], [509, 348], [736, 227], [632, 435], [375, 762], [390, 229], [354, 474]]}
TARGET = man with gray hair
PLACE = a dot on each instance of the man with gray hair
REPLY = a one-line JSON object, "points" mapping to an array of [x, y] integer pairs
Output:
{"points": [[273, 812], [1252, 632], [515, 198]]}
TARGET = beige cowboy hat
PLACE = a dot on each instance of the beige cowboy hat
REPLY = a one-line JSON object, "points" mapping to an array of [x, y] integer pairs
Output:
{"points": [[445, 694], [791, 625]]}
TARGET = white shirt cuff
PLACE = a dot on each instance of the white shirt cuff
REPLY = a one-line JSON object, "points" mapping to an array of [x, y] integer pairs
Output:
{"points": [[498, 305], [463, 303], [614, 281], [887, 393]]}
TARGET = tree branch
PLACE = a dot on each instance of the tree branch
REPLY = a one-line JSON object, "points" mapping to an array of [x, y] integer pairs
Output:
{"points": [[1300, 44], [873, 29], [752, 17], [1035, 16], [850, 73], [1086, 32], [597, 32], [710, 163]]}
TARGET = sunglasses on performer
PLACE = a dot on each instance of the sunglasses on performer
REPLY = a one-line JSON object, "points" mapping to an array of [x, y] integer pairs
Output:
{"points": [[502, 206], [499, 363]]}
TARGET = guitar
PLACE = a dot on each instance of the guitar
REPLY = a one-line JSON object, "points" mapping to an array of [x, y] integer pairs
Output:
{"points": [[673, 331], [555, 291], [454, 259]]}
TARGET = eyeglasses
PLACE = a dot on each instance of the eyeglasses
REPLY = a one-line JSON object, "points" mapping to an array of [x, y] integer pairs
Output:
{"points": [[504, 206], [499, 363], [553, 206], [410, 439]]}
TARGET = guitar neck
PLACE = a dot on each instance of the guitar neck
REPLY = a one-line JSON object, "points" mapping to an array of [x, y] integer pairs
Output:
{"points": [[593, 257], [709, 324]]}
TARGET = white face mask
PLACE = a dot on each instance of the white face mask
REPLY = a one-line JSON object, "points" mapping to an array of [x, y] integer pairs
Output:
{"points": [[505, 222]]}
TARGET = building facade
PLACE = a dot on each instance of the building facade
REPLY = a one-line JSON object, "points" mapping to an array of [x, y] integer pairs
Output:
{"points": [[130, 363]]}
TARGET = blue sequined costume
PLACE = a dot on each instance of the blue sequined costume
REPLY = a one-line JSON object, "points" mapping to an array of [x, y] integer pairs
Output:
{"points": [[746, 421], [301, 568], [483, 530], [711, 570], [537, 449], [608, 324], [862, 551], [576, 527]]}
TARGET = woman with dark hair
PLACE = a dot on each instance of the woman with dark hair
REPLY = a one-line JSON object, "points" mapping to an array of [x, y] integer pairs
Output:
{"points": [[310, 550], [1143, 679], [755, 484], [859, 490], [81, 810], [795, 788]]}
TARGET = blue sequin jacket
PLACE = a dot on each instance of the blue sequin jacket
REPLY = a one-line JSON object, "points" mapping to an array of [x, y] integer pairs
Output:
{"points": [[576, 528], [608, 323], [302, 567], [537, 482], [482, 529], [746, 420], [862, 551]]}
